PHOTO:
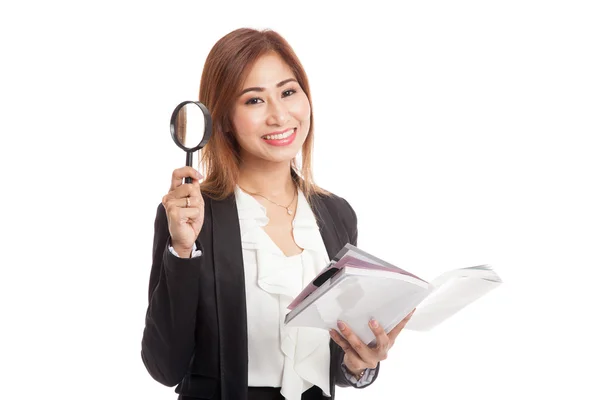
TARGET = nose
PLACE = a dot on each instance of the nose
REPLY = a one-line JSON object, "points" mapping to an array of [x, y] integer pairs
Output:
{"points": [[278, 113]]}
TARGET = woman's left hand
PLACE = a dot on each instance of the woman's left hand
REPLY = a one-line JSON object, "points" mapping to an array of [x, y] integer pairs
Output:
{"points": [[357, 355]]}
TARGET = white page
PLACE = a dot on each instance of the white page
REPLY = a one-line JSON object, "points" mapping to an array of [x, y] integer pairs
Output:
{"points": [[355, 299], [449, 297]]}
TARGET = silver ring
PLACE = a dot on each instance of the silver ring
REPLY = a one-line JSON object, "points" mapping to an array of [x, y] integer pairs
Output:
{"points": [[187, 202]]}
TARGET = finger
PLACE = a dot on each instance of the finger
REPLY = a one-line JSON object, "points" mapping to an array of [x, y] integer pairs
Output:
{"points": [[398, 328], [183, 191], [367, 354], [339, 339], [383, 341], [194, 202], [184, 215], [354, 361], [184, 172]]}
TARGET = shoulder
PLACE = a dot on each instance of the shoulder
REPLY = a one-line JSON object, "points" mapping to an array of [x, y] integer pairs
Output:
{"points": [[338, 201], [343, 216], [339, 206]]}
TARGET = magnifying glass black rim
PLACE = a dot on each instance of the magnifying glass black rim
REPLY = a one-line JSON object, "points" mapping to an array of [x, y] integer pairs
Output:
{"points": [[207, 125]]}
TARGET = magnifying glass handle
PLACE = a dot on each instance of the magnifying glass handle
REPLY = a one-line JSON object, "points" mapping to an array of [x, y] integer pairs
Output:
{"points": [[189, 157]]}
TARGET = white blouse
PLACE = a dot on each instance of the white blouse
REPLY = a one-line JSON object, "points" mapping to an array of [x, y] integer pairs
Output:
{"points": [[291, 358]]}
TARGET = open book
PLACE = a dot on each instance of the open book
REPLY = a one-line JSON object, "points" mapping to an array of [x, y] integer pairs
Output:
{"points": [[357, 286]]}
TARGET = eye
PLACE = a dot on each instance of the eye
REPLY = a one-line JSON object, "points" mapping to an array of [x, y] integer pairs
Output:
{"points": [[254, 100], [288, 92]]}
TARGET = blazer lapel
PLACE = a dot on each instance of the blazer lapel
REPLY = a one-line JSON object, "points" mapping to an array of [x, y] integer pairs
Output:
{"points": [[231, 299]]}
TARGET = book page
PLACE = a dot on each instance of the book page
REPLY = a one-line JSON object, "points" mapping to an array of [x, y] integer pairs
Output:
{"points": [[357, 298], [362, 259], [453, 292]]}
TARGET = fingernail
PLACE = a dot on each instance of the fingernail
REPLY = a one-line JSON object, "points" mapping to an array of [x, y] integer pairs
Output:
{"points": [[341, 325], [374, 323], [332, 332], [199, 175]]}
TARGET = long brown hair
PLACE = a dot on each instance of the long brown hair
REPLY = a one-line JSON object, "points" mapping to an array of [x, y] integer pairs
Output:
{"points": [[225, 70]]}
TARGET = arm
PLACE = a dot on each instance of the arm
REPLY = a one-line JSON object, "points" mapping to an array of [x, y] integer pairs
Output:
{"points": [[168, 340]]}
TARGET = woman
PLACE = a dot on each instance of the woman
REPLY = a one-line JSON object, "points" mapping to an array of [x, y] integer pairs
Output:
{"points": [[231, 253]]}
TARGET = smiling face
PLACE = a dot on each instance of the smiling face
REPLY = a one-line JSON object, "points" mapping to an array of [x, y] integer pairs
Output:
{"points": [[271, 116]]}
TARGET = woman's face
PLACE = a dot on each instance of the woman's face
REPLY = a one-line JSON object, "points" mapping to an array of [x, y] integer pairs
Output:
{"points": [[271, 116]]}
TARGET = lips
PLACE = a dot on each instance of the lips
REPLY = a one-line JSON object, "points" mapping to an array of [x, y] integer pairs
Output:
{"points": [[282, 138], [279, 135]]}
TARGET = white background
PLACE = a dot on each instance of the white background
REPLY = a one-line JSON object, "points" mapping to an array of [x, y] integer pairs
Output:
{"points": [[462, 132]]}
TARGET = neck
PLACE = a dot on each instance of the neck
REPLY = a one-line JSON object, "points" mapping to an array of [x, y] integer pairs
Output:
{"points": [[273, 180]]}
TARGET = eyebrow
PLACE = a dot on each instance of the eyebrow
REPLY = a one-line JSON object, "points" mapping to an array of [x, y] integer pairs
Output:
{"points": [[261, 89]]}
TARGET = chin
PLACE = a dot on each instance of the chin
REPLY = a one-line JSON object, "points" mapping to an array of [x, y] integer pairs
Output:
{"points": [[280, 154], [282, 157]]}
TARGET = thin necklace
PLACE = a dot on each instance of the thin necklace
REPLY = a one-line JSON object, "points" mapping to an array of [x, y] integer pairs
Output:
{"points": [[289, 211]]}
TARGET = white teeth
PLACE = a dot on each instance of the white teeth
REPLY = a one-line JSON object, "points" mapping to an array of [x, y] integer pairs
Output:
{"points": [[279, 136]]}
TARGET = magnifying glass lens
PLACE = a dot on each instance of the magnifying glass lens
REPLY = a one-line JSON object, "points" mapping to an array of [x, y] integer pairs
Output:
{"points": [[190, 126]]}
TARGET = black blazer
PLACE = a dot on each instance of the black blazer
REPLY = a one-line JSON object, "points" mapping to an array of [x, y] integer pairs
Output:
{"points": [[195, 335]]}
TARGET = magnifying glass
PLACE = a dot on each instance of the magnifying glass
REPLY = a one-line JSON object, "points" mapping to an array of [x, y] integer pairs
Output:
{"points": [[191, 127]]}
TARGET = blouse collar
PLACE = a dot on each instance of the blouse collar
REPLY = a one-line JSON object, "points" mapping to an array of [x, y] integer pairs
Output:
{"points": [[253, 214]]}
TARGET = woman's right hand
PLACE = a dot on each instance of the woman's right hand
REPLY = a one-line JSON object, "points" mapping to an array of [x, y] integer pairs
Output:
{"points": [[185, 217]]}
